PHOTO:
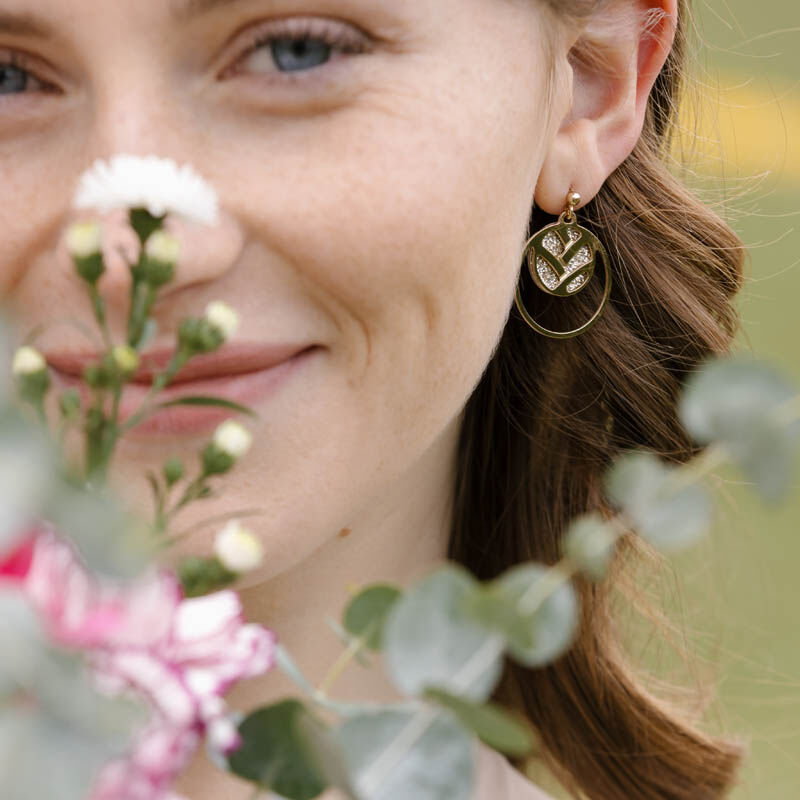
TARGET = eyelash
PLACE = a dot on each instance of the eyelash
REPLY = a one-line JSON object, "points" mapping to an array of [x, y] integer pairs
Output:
{"points": [[20, 62], [341, 39], [338, 38]]}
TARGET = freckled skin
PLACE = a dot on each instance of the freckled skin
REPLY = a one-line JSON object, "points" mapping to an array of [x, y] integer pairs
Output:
{"points": [[380, 216], [378, 210]]}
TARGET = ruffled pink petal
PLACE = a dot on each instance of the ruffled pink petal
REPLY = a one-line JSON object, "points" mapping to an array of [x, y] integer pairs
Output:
{"points": [[160, 682], [223, 736], [181, 654], [16, 564]]}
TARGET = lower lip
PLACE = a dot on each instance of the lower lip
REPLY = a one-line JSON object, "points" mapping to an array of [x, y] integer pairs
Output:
{"points": [[247, 389]]}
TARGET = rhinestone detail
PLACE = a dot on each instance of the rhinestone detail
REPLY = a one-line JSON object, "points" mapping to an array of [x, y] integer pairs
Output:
{"points": [[553, 244], [574, 234], [545, 271], [580, 259], [576, 283]]}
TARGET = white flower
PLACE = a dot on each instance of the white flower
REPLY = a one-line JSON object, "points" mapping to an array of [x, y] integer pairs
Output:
{"points": [[222, 316], [28, 361], [84, 239], [164, 247], [238, 548], [157, 184], [232, 438]]}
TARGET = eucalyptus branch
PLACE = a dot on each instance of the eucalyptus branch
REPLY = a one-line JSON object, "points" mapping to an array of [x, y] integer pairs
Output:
{"points": [[344, 660]]}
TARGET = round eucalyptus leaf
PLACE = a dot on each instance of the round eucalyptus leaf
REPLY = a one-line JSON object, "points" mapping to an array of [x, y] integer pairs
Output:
{"points": [[734, 401], [27, 476], [109, 540], [589, 544], [275, 753], [431, 640], [367, 612], [669, 518], [491, 723], [398, 755], [537, 632]]}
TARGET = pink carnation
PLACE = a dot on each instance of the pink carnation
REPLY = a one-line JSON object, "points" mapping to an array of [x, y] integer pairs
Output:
{"points": [[181, 654]]}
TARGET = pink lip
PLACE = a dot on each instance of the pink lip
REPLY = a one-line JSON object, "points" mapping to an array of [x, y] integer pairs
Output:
{"points": [[244, 374]]}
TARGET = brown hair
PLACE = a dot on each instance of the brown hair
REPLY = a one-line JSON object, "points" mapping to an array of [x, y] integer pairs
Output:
{"points": [[549, 415]]}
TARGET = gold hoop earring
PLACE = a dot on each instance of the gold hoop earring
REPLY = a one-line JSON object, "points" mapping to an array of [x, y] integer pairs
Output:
{"points": [[561, 259]]}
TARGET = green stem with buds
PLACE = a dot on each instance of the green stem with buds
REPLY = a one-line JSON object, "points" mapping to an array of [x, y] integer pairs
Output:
{"points": [[178, 360], [143, 296]]}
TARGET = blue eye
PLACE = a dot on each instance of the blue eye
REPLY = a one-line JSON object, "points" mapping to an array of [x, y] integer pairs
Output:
{"points": [[13, 79], [299, 45], [292, 55]]}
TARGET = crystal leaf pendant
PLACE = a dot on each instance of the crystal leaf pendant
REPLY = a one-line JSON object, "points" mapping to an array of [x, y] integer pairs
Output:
{"points": [[561, 257]]}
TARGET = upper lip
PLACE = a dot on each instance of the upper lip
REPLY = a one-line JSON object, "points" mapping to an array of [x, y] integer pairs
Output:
{"points": [[230, 359]]}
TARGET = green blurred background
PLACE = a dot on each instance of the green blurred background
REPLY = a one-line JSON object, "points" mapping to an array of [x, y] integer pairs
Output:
{"points": [[738, 594]]}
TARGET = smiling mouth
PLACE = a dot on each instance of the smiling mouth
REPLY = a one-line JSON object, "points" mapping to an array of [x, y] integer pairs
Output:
{"points": [[241, 374]]}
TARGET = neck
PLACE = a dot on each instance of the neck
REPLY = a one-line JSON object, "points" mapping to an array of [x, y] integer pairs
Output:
{"points": [[400, 536]]}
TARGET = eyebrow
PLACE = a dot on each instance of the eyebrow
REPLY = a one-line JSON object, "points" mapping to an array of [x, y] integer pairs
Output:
{"points": [[26, 24], [184, 10]]}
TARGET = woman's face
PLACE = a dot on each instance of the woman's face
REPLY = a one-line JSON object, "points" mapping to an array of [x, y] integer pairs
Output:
{"points": [[375, 197]]}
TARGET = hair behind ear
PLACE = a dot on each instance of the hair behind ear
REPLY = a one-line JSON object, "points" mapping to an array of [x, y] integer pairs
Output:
{"points": [[546, 419]]}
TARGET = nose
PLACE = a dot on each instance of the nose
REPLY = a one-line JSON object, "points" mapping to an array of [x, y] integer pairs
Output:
{"points": [[207, 254], [135, 111]]}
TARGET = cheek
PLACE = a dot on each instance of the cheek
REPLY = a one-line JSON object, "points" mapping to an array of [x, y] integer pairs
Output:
{"points": [[37, 175], [406, 216]]}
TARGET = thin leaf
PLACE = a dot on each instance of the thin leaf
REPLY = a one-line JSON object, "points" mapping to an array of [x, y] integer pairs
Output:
{"points": [[208, 401]]}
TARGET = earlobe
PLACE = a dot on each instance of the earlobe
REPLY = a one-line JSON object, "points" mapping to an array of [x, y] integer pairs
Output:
{"points": [[616, 62]]}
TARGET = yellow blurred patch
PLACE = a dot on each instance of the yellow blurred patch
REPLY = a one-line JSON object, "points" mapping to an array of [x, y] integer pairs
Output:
{"points": [[747, 127]]}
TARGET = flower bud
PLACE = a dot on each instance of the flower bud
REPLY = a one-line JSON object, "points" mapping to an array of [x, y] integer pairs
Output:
{"points": [[85, 245], [28, 361], [231, 441], [126, 359], [223, 317], [173, 471], [33, 378], [161, 254], [197, 336], [233, 438], [238, 549]]}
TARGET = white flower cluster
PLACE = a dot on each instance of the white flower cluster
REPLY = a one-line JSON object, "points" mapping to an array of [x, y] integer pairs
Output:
{"points": [[157, 184]]}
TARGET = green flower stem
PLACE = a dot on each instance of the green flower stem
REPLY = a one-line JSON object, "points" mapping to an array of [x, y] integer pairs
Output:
{"points": [[38, 405], [162, 380], [164, 518], [143, 296], [96, 465], [344, 660], [192, 492], [98, 306]]}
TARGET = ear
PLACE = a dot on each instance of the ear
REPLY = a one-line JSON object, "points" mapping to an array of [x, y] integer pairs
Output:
{"points": [[613, 63]]}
